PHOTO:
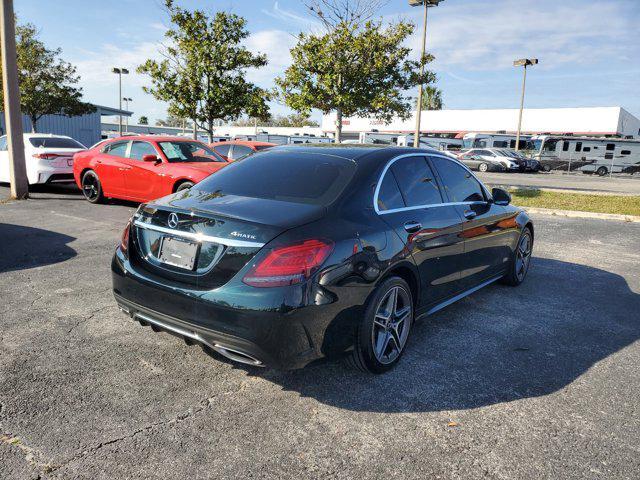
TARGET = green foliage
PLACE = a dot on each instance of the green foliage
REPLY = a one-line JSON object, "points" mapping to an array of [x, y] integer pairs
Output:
{"points": [[173, 121], [431, 98], [202, 76], [355, 70], [47, 83], [143, 120], [292, 120]]}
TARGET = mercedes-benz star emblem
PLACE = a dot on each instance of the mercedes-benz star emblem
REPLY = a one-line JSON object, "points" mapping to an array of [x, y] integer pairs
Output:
{"points": [[173, 220]]}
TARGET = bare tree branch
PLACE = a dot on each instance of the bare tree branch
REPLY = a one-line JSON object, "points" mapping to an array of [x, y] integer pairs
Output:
{"points": [[351, 12]]}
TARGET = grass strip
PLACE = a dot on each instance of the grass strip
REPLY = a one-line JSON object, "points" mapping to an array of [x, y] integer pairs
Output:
{"points": [[579, 202]]}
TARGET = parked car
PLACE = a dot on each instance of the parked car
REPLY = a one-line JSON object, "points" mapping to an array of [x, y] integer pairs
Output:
{"points": [[143, 168], [235, 149], [526, 164], [48, 158], [487, 159], [267, 268]]}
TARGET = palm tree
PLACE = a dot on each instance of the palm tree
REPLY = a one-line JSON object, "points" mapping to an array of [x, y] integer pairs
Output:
{"points": [[432, 98]]}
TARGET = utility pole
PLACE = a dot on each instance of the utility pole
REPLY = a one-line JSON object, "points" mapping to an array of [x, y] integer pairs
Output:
{"points": [[427, 4], [120, 72], [12, 113], [523, 62]]}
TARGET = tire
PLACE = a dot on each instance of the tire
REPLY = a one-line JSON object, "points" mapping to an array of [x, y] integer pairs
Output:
{"points": [[546, 168], [381, 332], [91, 187], [602, 171], [483, 167], [520, 260], [184, 186]]}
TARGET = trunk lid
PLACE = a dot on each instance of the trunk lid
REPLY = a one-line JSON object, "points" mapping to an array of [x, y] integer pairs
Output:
{"points": [[218, 233]]}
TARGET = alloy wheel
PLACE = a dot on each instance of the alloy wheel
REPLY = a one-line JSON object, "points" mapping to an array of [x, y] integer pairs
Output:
{"points": [[391, 325], [523, 256], [91, 187]]}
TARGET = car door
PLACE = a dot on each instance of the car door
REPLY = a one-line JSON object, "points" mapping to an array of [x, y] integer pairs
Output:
{"points": [[410, 201], [4, 160], [142, 178], [111, 168], [487, 227]]}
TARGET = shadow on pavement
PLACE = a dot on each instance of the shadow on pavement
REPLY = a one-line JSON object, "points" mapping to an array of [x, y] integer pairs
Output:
{"points": [[499, 345], [22, 248]]}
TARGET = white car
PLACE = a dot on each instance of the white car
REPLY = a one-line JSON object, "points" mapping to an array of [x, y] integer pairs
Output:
{"points": [[48, 157], [485, 159]]}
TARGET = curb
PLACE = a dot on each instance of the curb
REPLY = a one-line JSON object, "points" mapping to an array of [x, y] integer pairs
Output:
{"points": [[577, 214]]}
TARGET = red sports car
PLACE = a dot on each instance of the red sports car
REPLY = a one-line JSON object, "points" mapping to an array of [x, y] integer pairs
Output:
{"points": [[143, 168], [234, 149]]}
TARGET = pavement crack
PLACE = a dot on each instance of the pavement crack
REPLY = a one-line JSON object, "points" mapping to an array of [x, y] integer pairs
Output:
{"points": [[88, 317], [31, 455]]}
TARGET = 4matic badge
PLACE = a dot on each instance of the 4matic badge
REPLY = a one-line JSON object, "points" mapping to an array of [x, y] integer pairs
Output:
{"points": [[243, 235]]}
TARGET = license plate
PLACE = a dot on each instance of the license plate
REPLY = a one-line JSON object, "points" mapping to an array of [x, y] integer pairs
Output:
{"points": [[179, 253]]}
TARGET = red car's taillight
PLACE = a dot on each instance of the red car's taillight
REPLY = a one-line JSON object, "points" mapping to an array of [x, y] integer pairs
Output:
{"points": [[124, 242], [289, 265]]}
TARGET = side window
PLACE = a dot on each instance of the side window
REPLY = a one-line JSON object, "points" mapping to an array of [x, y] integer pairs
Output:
{"points": [[578, 146], [3, 144], [611, 146], [138, 149], [565, 146], [458, 182], [118, 149], [240, 151], [500, 144], [416, 181], [389, 196], [222, 149]]}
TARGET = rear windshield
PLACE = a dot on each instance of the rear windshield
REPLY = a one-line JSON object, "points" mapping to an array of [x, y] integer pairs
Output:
{"points": [[54, 142], [189, 152], [262, 147], [315, 179]]}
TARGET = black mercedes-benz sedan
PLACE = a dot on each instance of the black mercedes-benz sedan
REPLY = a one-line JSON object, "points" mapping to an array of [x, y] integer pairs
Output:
{"points": [[299, 253]]}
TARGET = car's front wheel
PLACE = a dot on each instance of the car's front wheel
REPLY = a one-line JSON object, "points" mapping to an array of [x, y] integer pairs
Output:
{"points": [[184, 186], [483, 167], [383, 332], [91, 187]]}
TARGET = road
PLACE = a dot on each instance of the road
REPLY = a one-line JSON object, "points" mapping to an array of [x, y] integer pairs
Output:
{"points": [[618, 185], [535, 382]]}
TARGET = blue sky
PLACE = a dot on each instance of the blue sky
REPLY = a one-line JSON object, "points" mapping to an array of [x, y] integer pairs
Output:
{"points": [[589, 50]]}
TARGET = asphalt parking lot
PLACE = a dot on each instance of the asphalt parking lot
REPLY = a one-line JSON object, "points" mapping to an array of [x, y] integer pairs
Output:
{"points": [[535, 382]]}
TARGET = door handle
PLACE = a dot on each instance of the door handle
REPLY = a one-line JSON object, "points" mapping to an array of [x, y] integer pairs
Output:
{"points": [[412, 227], [469, 214]]}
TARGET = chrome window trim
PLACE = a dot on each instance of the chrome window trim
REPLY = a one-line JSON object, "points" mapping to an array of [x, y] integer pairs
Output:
{"points": [[430, 205], [199, 237]]}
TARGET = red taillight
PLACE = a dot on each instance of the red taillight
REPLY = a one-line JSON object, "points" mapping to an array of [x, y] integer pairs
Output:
{"points": [[47, 156], [289, 265], [124, 242]]}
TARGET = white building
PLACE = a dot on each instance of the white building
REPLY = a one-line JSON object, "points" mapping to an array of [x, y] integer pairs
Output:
{"points": [[579, 121]]}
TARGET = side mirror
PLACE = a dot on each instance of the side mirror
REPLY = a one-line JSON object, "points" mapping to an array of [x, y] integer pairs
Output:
{"points": [[500, 196], [150, 158]]}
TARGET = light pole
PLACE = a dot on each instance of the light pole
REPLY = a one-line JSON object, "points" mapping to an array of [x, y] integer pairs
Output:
{"points": [[126, 107], [523, 62], [427, 4], [120, 72], [12, 114]]}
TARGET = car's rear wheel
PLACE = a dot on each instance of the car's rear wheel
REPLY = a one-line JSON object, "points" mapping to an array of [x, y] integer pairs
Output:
{"points": [[383, 332], [483, 167], [91, 187], [546, 168], [184, 186], [602, 171], [521, 259]]}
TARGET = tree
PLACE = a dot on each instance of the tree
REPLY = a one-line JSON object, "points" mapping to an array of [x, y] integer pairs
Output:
{"points": [[143, 120], [47, 83], [292, 120], [431, 98], [356, 68], [173, 121], [203, 73]]}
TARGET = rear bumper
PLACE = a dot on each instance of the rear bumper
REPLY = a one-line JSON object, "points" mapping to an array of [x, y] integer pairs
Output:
{"points": [[43, 172], [270, 327]]}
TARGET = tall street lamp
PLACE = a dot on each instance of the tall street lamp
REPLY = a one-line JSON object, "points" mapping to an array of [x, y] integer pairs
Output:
{"points": [[120, 72], [523, 62], [126, 107], [427, 4]]}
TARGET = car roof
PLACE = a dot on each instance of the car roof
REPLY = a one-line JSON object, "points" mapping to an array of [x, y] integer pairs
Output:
{"points": [[46, 135], [249, 143], [153, 138], [354, 152]]}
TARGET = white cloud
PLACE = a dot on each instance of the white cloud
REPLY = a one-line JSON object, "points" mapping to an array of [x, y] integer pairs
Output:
{"points": [[276, 45]]}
